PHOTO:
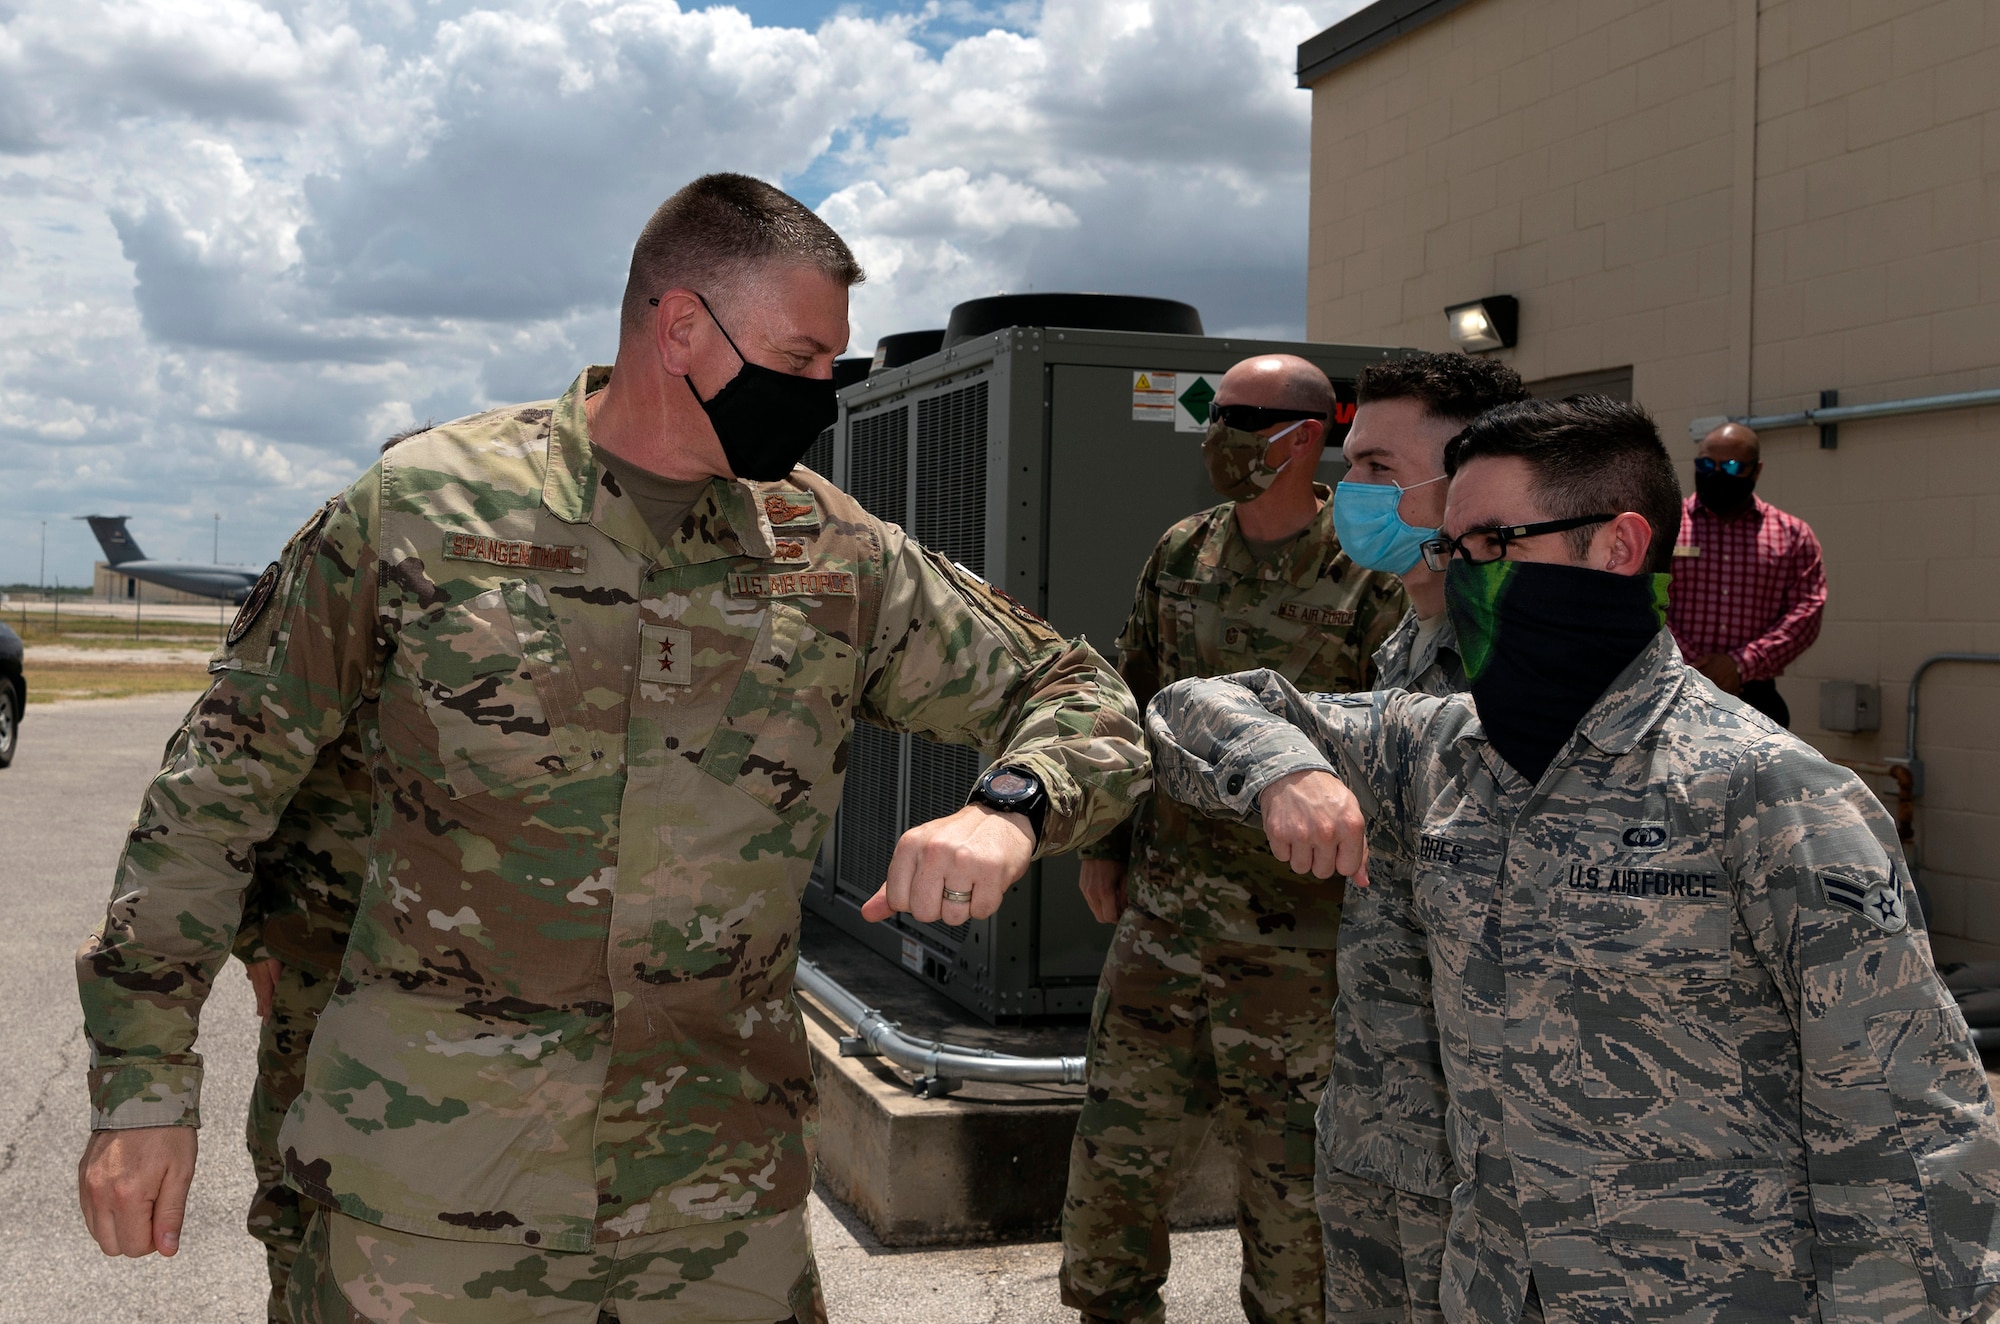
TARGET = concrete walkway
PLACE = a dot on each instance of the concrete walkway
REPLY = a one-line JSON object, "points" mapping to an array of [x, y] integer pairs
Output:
{"points": [[64, 809]]}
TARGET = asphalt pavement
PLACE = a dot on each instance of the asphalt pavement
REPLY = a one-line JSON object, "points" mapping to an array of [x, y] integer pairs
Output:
{"points": [[64, 809]]}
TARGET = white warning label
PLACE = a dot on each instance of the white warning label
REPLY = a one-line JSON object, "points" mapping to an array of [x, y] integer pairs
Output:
{"points": [[1153, 397]]}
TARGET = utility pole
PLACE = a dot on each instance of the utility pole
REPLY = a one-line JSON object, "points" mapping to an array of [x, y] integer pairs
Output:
{"points": [[42, 573], [216, 556]]}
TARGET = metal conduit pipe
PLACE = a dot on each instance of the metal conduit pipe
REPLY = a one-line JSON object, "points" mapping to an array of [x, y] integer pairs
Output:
{"points": [[1834, 414], [939, 1067], [1910, 759]]}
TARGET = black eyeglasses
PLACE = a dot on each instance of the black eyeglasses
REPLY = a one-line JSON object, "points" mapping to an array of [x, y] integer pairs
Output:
{"points": [[1479, 546], [1734, 468], [1255, 418]]}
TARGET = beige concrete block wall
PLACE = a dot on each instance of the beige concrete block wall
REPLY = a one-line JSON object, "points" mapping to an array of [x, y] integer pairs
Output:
{"points": [[1577, 153], [1593, 157]]}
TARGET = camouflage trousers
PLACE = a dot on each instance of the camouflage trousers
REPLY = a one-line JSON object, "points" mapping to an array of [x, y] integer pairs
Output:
{"points": [[1185, 1028], [738, 1271], [1384, 1249], [279, 1214]]}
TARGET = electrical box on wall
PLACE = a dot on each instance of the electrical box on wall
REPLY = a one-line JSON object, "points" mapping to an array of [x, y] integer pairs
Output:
{"points": [[1850, 705], [1048, 461]]}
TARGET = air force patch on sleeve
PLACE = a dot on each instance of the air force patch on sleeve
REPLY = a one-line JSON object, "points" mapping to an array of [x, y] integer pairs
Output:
{"points": [[1879, 902]]}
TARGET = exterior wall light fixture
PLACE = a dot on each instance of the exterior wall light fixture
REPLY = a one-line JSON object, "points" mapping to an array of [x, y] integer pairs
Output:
{"points": [[1483, 324]]}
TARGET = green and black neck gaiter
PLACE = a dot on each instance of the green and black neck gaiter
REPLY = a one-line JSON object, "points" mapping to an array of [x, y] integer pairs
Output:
{"points": [[1542, 642]]}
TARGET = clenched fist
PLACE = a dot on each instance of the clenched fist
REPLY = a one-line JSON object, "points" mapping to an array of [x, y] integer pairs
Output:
{"points": [[976, 850], [1314, 824]]}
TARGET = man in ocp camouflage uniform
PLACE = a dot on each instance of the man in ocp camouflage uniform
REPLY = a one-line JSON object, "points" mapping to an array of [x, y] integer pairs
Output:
{"points": [[1701, 1066], [1217, 994], [614, 647], [1383, 1174], [296, 916]]}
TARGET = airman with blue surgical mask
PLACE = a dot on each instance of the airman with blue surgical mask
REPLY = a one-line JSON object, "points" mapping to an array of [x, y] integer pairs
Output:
{"points": [[1382, 1206]]}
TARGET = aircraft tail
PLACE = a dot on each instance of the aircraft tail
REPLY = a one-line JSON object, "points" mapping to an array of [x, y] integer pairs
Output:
{"points": [[112, 537]]}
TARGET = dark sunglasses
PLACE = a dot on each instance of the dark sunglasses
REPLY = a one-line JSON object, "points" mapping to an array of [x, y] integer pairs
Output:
{"points": [[1479, 546], [1734, 468], [1255, 418]]}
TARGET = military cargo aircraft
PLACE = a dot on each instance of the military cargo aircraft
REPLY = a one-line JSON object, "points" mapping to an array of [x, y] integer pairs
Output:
{"points": [[230, 583]]}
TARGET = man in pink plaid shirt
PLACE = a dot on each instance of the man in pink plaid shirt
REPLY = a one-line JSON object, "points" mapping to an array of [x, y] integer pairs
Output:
{"points": [[1749, 585]]}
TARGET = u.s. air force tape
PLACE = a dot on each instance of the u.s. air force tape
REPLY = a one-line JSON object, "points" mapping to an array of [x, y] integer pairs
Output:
{"points": [[793, 584]]}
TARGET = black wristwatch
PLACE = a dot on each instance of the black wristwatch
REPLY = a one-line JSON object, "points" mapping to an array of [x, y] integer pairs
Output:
{"points": [[1014, 791]]}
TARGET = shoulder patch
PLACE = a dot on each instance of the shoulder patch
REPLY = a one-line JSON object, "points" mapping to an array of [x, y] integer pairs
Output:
{"points": [[787, 510], [1880, 903], [253, 606], [1001, 598]]}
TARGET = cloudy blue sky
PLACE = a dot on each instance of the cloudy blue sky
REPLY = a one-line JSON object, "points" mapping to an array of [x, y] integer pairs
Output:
{"points": [[241, 241]]}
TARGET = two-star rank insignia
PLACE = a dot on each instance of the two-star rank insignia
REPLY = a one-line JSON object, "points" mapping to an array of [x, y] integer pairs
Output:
{"points": [[1880, 903], [666, 655]]}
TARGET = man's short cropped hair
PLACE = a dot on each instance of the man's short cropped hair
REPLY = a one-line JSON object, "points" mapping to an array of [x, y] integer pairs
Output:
{"points": [[713, 232], [1455, 387], [1590, 455]]}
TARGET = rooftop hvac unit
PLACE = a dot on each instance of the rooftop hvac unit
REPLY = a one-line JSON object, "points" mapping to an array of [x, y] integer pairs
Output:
{"points": [[1041, 459]]}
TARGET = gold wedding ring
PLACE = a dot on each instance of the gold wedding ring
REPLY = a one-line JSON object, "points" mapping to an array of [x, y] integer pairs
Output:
{"points": [[964, 898]]}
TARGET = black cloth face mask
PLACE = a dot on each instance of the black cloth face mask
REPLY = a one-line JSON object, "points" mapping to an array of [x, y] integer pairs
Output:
{"points": [[1542, 642], [766, 420], [1725, 494]]}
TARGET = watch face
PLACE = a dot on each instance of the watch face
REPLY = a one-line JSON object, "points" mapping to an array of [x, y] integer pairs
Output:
{"points": [[1009, 786]]}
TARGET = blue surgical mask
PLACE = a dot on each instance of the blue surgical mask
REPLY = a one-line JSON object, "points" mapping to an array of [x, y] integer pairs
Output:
{"points": [[1369, 524]]}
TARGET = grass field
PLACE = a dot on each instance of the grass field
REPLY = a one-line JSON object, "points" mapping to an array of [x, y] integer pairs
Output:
{"points": [[51, 681], [112, 672]]}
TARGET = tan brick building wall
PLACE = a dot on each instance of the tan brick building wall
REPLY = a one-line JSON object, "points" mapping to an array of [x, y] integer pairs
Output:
{"points": [[1746, 203]]}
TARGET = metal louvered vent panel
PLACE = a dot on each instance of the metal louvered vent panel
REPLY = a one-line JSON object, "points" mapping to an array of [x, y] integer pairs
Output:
{"points": [[868, 810], [941, 776], [878, 462], [951, 475], [819, 455]]}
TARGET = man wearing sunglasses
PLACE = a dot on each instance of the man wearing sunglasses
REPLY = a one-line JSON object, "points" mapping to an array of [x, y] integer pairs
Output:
{"points": [[1749, 583], [1700, 1063], [1217, 995]]}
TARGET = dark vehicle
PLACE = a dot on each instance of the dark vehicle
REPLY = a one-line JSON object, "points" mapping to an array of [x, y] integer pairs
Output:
{"points": [[13, 694]]}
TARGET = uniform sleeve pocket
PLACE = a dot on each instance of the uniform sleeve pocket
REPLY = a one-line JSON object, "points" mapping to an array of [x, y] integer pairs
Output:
{"points": [[787, 719], [1945, 1114], [486, 669]]}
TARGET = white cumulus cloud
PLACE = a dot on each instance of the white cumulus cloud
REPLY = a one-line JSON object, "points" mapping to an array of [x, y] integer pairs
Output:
{"points": [[243, 240]]}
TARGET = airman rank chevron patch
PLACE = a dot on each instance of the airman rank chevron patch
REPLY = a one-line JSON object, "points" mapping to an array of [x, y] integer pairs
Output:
{"points": [[1881, 904]]}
